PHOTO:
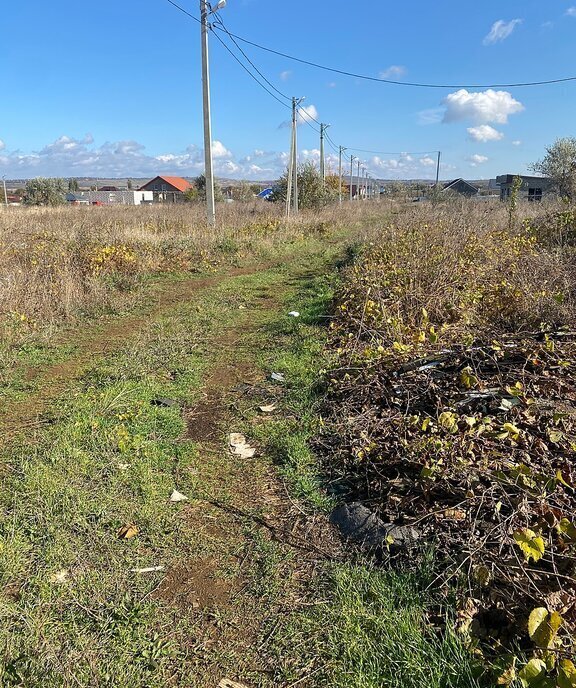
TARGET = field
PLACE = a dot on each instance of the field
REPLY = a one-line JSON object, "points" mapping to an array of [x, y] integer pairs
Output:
{"points": [[429, 373]]}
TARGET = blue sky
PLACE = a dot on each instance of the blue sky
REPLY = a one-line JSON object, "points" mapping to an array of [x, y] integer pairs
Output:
{"points": [[113, 88]]}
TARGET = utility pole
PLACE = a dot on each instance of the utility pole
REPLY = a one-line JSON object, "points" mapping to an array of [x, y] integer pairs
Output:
{"points": [[323, 128], [351, 175], [208, 171], [358, 182], [290, 164], [340, 151], [5, 192], [295, 103], [438, 168]]}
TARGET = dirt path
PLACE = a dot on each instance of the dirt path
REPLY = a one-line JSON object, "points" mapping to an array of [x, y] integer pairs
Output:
{"points": [[229, 566], [98, 341]]}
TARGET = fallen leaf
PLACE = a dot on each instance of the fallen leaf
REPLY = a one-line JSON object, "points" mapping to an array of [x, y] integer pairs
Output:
{"points": [[455, 514], [178, 497], [127, 532], [268, 409], [244, 452], [532, 545], [532, 672]]}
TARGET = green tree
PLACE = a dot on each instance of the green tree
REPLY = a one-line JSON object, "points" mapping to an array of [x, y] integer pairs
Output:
{"points": [[312, 191], [559, 164], [200, 185], [130, 185], [41, 191], [73, 185]]}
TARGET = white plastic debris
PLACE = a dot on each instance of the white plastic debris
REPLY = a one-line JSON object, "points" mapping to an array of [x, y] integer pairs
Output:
{"points": [[178, 497], [279, 377], [240, 447], [294, 314], [149, 569], [267, 409]]}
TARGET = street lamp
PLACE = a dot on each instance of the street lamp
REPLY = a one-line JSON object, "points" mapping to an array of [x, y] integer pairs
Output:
{"points": [[205, 12]]}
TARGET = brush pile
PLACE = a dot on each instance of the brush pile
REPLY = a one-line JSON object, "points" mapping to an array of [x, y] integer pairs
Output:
{"points": [[453, 409]]}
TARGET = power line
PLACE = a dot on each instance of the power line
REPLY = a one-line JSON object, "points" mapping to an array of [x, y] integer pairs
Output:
{"points": [[178, 7], [366, 77], [221, 22], [249, 72]]}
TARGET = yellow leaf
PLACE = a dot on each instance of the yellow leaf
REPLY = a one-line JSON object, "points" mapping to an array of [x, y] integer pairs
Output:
{"points": [[566, 674], [449, 421], [566, 527], [543, 627], [532, 545], [127, 532], [533, 672], [507, 677]]}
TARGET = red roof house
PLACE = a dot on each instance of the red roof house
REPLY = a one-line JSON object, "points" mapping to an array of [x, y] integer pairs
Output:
{"points": [[167, 188]]}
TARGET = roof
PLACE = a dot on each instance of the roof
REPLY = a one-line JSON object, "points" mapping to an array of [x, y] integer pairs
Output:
{"points": [[509, 179], [177, 182], [454, 182]]}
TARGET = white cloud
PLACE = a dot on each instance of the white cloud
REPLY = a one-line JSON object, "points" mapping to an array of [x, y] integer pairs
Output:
{"points": [[501, 30], [571, 12], [332, 84], [2, 145], [430, 116], [307, 113], [476, 160], [516, 143], [427, 161], [481, 107], [284, 76], [485, 133], [219, 150], [393, 72]]}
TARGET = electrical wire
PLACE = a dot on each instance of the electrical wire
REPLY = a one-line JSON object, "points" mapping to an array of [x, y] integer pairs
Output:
{"points": [[250, 73], [223, 26], [366, 77], [412, 84]]}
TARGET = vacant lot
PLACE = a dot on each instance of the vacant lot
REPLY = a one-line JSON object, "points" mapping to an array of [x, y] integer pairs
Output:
{"points": [[424, 364]]}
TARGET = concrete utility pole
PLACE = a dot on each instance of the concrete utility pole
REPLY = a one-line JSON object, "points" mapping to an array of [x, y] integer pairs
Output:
{"points": [[205, 11], [295, 103], [323, 128], [290, 164], [438, 168], [358, 182], [5, 192], [340, 151], [351, 175]]}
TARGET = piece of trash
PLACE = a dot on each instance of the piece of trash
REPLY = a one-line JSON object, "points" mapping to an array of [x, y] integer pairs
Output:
{"points": [[149, 569], [294, 314], [127, 532], [177, 496], [240, 447], [245, 452], [60, 576], [165, 403], [227, 683], [123, 466], [241, 308], [236, 439], [279, 377], [267, 409]]}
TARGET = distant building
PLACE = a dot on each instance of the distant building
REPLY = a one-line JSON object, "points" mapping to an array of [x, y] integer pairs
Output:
{"points": [[167, 189], [532, 188], [109, 197], [461, 187]]}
